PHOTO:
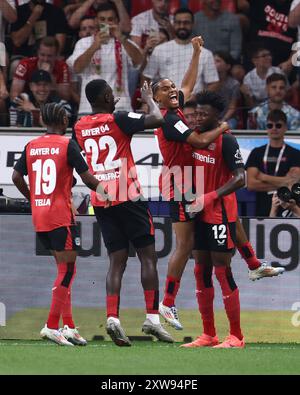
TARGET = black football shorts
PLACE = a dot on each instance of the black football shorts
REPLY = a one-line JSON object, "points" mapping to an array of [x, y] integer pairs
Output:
{"points": [[66, 238], [129, 221], [215, 237]]}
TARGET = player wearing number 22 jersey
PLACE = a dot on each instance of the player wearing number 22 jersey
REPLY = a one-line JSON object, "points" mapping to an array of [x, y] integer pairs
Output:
{"points": [[105, 137], [49, 161]]}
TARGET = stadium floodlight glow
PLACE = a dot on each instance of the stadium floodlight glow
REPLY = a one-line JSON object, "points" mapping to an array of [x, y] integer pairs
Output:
{"points": [[2, 314]]}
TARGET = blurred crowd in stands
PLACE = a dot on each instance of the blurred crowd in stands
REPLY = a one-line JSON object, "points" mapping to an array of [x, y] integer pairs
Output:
{"points": [[50, 50]]}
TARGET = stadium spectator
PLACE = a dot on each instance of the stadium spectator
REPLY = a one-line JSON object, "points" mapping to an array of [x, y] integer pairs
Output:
{"points": [[128, 217], [284, 209], [294, 16], [25, 109], [238, 72], [3, 88], [107, 54], [228, 89], [36, 20], [276, 90], [91, 8], [87, 26], [254, 84], [221, 30], [53, 157], [170, 59], [148, 23], [273, 165], [47, 59], [8, 14], [269, 26]]}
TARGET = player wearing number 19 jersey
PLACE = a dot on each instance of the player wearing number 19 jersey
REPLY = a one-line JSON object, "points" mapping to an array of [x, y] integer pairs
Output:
{"points": [[105, 137], [49, 161]]}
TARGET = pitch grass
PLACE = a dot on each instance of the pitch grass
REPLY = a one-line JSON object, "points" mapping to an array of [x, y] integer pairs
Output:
{"points": [[258, 326], [148, 358], [272, 347]]}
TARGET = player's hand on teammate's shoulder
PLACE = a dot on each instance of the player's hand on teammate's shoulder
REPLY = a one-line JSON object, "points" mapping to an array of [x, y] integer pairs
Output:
{"points": [[225, 127], [146, 92], [198, 43]]}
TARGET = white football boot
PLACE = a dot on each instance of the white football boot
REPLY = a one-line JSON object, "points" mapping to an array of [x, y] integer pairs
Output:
{"points": [[54, 335], [73, 336]]}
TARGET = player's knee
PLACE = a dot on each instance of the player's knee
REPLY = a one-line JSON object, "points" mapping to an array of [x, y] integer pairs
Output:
{"points": [[185, 246]]}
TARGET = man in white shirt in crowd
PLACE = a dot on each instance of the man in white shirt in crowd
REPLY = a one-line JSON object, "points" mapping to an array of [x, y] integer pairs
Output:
{"points": [[254, 86], [107, 55], [150, 21], [169, 59]]}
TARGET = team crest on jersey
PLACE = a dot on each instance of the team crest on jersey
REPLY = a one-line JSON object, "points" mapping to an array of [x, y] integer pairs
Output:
{"points": [[212, 146], [77, 241], [21, 70]]}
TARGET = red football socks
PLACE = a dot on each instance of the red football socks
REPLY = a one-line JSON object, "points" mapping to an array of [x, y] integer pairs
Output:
{"points": [[205, 297], [112, 306], [248, 254], [231, 299], [67, 315], [60, 292], [171, 289], [151, 299]]}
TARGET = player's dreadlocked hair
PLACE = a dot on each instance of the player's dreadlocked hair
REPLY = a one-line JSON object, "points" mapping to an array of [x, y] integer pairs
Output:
{"points": [[53, 114], [211, 99]]}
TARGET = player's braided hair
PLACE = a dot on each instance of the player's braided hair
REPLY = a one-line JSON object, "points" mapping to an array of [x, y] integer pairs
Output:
{"points": [[155, 84], [211, 99], [53, 114]]}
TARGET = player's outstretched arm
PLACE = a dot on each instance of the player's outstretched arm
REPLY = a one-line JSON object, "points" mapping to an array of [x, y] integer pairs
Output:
{"points": [[20, 183], [203, 140], [154, 119], [190, 77]]}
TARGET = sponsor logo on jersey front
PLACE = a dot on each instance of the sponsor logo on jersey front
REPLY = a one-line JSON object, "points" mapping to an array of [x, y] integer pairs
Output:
{"points": [[204, 158]]}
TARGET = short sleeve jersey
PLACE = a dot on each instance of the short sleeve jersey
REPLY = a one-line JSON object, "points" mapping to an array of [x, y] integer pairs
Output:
{"points": [[27, 66], [106, 138], [219, 160], [176, 152], [49, 161]]}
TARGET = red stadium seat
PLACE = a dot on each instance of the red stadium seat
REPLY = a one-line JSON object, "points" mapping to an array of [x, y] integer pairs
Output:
{"points": [[197, 5], [138, 6]]}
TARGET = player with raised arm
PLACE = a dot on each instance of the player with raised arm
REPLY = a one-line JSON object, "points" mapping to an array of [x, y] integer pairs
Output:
{"points": [[215, 225], [49, 162], [105, 137], [175, 141]]}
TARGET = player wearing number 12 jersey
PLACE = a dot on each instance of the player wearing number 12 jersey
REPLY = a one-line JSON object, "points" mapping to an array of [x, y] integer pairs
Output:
{"points": [[49, 161], [105, 137], [215, 226]]}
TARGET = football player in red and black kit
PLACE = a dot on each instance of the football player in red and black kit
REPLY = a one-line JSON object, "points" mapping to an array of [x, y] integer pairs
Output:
{"points": [[105, 137], [256, 269], [49, 161], [176, 140], [215, 225]]}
